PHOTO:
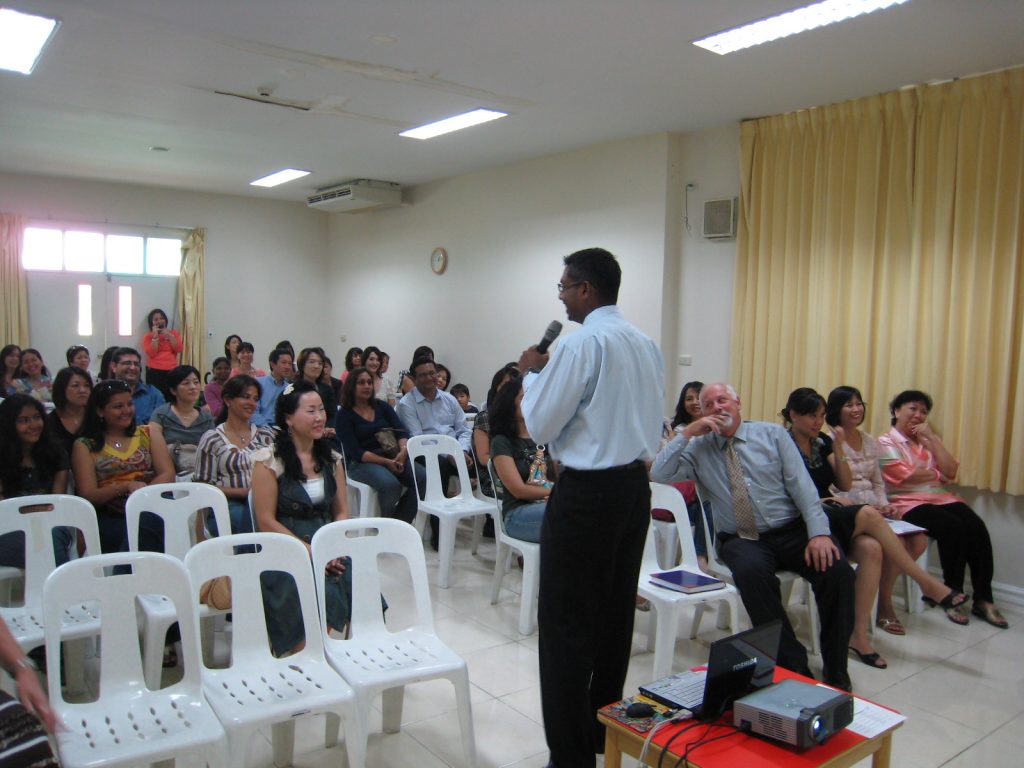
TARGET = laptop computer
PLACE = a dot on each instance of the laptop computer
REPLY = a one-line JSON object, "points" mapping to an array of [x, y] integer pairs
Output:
{"points": [[737, 665]]}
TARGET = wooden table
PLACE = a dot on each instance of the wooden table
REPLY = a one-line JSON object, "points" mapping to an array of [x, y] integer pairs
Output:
{"points": [[843, 749]]}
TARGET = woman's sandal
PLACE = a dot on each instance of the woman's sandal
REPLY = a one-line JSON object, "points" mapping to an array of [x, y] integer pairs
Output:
{"points": [[953, 605], [871, 659], [892, 626], [990, 614]]}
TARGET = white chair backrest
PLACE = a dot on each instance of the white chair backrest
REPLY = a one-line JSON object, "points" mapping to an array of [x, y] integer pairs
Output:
{"points": [[365, 540], [667, 497], [177, 505], [232, 556], [52, 511], [432, 448], [84, 580]]}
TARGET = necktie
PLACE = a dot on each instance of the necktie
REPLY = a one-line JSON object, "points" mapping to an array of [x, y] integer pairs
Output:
{"points": [[742, 506]]}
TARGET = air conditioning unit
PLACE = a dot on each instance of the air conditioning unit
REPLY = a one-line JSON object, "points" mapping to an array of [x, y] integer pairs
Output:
{"points": [[720, 218], [358, 195]]}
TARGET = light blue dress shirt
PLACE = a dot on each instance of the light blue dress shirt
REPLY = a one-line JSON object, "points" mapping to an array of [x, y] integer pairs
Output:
{"points": [[441, 416], [777, 480], [146, 399], [270, 390], [597, 404]]}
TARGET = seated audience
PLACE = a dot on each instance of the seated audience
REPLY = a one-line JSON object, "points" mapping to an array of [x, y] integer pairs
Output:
{"points": [[113, 458], [79, 357], [231, 345], [429, 411], [444, 376], [71, 390], [859, 528], [246, 352], [916, 465], [374, 442], [520, 464], [273, 385], [31, 463], [127, 367], [353, 359], [311, 369], [212, 392], [461, 393], [298, 487], [778, 526], [107, 363], [10, 360], [224, 455], [481, 424], [178, 426], [162, 347], [33, 377]]}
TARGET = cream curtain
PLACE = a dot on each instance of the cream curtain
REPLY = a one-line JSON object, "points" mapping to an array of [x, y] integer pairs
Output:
{"points": [[13, 286], [192, 299], [880, 245]]}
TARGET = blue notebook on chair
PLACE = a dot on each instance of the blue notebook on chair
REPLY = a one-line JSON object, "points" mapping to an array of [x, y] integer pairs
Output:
{"points": [[688, 582]]}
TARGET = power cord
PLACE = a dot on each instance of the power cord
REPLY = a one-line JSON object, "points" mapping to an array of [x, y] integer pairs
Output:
{"points": [[703, 741]]}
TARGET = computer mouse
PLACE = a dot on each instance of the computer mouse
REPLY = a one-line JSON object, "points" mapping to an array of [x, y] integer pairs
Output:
{"points": [[639, 709]]}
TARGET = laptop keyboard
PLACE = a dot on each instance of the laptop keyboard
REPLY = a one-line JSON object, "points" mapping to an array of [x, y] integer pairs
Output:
{"points": [[682, 691]]}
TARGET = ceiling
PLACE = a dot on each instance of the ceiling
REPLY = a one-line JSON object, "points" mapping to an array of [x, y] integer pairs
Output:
{"points": [[122, 76]]}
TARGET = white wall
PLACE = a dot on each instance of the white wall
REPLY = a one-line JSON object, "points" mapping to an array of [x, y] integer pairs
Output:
{"points": [[506, 231], [265, 264]]}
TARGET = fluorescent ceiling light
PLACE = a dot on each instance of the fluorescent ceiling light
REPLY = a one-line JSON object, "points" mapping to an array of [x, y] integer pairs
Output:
{"points": [[22, 37], [281, 177], [454, 123], [791, 23]]}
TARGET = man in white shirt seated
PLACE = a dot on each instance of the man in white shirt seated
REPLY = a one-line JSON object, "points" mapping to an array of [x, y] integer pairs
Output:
{"points": [[428, 410]]}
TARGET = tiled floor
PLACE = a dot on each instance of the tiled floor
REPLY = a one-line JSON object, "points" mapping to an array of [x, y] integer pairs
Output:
{"points": [[962, 688]]}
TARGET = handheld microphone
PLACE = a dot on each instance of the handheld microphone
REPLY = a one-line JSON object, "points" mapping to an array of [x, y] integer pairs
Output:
{"points": [[550, 335]]}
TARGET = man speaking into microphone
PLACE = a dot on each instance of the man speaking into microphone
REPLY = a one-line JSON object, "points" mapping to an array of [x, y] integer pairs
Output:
{"points": [[597, 406]]}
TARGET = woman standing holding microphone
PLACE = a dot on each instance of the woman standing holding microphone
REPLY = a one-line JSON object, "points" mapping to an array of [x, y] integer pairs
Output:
{"points": [[161, 346]]}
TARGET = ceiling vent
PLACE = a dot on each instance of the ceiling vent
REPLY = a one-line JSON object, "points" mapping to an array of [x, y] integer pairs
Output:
{"points": [[358, 195]]}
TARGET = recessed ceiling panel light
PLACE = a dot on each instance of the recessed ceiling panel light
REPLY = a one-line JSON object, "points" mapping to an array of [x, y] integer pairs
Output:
{"points": [[22, 37], [791, 23], [281, 177], [455, 123]]}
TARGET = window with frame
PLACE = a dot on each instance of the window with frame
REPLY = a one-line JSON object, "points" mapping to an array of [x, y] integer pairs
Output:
{"points": [[67, 250]]}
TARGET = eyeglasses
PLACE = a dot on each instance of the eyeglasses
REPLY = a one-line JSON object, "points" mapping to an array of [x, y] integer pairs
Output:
{"points": [[562, 287]]}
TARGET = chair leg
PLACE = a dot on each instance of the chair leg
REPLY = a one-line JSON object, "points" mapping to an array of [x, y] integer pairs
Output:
{"points": [[446, 548], [332, 727], [500, 558], [461, 682], [355, 735], [154, 631], [283, 737], [391, 701], [528, 598], [665, 630], [478, 532], [698, 613]]}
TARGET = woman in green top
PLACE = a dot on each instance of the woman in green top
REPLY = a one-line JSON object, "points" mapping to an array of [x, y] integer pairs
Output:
{"points": [[521, 465]]}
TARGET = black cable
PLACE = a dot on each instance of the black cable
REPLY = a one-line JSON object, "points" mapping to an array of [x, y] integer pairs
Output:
{"points": [[693, 746], [673, 737]]}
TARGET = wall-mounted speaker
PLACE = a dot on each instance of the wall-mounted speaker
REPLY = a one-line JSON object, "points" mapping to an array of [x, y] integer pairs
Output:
{"points": [[720, 218]]}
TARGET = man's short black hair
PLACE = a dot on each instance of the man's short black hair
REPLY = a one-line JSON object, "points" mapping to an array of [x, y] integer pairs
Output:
{"points": [[124, 352], [421, 360], [599, 268], [275, 355]]}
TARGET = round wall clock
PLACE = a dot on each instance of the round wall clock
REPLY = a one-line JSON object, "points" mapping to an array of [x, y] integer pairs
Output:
{"points": [[439, 260]]}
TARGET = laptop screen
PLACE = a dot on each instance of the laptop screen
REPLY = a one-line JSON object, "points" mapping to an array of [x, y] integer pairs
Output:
{"points": [[739, 663]]}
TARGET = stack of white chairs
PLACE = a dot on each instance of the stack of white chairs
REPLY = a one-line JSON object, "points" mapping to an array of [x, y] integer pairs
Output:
{"points": [[448, 510], [129, 724], [177, 505], [79, 621], [373, 659], [503, 561], [258, 689], [667, 603]]}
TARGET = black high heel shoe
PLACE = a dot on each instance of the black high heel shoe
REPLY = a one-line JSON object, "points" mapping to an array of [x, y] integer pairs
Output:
{"points": [[871, 659]]}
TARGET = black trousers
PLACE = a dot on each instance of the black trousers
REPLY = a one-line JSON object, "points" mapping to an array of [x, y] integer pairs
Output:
{"points": [[963, 541], [591, 545], [754, 564]]}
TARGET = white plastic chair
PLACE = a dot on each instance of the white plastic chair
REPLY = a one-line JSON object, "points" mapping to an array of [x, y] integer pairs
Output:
{"points": [[129, 724], [259, 689], [177, 504], [503, 561], [373, 659], [26, 621], [788, 581], [434, 448], [668, 604]]}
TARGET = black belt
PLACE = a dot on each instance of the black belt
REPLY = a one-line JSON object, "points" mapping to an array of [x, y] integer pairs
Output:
{"points": [[621, 468]]}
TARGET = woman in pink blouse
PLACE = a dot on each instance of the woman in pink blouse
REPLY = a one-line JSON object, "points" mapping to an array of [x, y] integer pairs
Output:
{"points": [[915, 464]]}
